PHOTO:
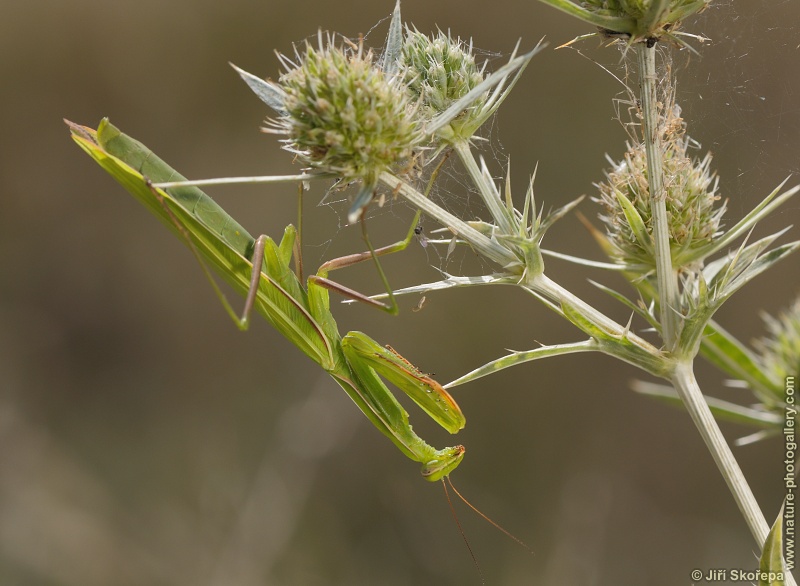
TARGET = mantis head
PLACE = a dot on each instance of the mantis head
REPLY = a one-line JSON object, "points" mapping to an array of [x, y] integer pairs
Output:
{"points": [[443, 463]]}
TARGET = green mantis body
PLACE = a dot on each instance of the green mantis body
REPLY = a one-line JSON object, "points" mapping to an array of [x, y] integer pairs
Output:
{"points": [[301, 314]]}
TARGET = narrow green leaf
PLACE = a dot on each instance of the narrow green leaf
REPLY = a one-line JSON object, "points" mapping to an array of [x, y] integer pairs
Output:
{"points": [[721, 409], [498, 77], [719, 275], [521, 357], [728, 278], [761, 211], [682, 12], [731, 356], [770, 567], [759, 265], [449, 282], [584, 261]]}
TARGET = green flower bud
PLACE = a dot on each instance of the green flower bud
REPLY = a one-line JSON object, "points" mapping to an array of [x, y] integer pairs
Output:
{"points": [[343, 115], [691, 200], [438, 72]]}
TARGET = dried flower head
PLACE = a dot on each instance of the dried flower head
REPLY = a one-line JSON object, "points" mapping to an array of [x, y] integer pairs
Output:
{"points": [[344, 115], [691, 199], [438, 72], [780, 349], [637, 20]]}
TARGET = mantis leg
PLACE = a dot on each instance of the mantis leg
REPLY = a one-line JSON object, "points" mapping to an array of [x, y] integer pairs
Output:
{"points": [[321, 278], [275, 271], [382, 408], [243, 321], [421, 388]]}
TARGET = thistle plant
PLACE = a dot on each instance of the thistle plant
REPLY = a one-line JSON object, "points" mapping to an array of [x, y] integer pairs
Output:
{"points": [[673, 230], [355, 117]]}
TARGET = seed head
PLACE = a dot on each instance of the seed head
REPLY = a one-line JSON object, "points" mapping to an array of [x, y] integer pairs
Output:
{"points": [[691, 199], [343, 114]]}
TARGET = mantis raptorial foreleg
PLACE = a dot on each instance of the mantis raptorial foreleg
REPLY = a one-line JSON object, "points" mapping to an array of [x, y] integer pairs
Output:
{"points": [[367, 359], [420, 387]]}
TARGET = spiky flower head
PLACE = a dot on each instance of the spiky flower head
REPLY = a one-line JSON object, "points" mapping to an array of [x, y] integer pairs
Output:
{"points": [[637, 20], [780, 349], [438, 72], [343, 115], [691, 200]]}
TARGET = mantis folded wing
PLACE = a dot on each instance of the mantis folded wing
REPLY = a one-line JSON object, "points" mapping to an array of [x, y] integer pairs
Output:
{"points": [[302, 315]]}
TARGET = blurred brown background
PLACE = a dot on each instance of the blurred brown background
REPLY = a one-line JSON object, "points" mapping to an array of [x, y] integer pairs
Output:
{"points": [[145, 441]]}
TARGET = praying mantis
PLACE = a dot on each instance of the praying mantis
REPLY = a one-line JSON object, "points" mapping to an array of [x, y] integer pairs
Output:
{"points": [[260, 269]]}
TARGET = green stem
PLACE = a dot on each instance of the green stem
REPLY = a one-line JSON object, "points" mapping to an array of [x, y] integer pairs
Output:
{"points": [[683, 378], [485, 246], [669, 302], [686, 385], [543, 285]]}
